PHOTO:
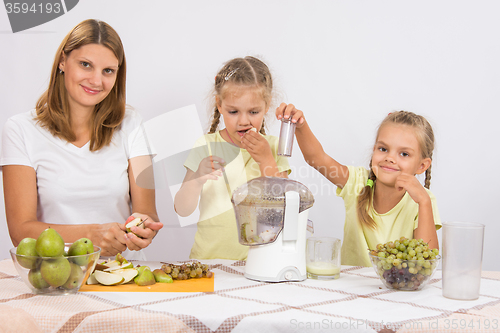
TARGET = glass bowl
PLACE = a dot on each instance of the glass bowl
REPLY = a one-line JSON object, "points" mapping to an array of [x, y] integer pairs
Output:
{"points": [[407, 275], [55, 275]]}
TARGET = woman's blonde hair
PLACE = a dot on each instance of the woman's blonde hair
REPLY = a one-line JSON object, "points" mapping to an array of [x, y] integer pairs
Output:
{"points": [[248, 71], [425, 136], [53, 106]]}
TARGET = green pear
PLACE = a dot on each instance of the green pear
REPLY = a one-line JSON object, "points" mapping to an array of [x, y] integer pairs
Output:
{"points": [[121, 259], [27, 248], [81, 247], [75, 277], [49, 244], [141, 268], [161, 276], [145, 276], [55, 271], [36, 279]]}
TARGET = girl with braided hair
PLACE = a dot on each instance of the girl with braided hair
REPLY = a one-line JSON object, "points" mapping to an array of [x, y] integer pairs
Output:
{"points": [[388, 201], [224, 159]]}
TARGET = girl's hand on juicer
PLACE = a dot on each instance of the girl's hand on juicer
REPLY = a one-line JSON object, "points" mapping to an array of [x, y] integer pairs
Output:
{"points": [[288, 111]]}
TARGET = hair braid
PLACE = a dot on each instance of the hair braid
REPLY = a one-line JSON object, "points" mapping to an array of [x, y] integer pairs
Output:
{"points": [[262, 130], [365, 202], [428, 177], [215, 121]]}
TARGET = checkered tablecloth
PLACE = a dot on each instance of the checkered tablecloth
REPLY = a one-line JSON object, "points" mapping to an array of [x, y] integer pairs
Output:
{"points": [[356, 302]]}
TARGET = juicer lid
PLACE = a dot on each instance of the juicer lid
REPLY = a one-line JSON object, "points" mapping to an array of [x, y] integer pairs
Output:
{"points": [[270, 192]]}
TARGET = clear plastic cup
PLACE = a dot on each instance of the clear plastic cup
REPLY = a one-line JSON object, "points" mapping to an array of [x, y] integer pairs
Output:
{"points": [[287, 133], [323, 258], [462, 250]]}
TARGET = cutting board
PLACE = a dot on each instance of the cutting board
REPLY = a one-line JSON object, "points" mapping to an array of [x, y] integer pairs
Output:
{"points": [[180, 286]]}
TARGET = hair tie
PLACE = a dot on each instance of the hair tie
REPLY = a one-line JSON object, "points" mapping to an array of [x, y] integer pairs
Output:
{"points": [[369, 182]]}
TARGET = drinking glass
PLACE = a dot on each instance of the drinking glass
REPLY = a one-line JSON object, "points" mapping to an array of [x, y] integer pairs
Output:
{"points": [[323, 258], [462, 259]]}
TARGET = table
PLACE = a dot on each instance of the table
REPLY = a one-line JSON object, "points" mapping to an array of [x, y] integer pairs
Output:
{"points": [[356, 302]]}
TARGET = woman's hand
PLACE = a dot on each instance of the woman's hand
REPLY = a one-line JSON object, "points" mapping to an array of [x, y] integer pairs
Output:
{"points": [[140, 238], [288, 111], [110, 237], [209, 168]]}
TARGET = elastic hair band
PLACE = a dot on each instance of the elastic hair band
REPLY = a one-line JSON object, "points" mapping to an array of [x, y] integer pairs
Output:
{"points": [[369, 182]]}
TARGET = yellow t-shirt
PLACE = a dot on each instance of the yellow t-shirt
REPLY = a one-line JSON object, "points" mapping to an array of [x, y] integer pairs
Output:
{"points": [[399, 221], [217, 235]]}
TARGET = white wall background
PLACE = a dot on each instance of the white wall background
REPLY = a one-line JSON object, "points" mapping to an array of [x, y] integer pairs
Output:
{"points": [[345, 63]]}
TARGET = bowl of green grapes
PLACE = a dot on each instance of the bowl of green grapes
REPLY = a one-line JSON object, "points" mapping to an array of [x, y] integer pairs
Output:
{"points": [[405, 264], [49, 266]]}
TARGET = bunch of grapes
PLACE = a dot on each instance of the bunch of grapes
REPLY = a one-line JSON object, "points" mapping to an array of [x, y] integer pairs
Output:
{"points": [[186, 271], [405, 264]]}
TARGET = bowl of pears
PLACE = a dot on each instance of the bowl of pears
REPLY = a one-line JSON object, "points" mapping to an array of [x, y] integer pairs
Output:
{"points": [[49, 266]]}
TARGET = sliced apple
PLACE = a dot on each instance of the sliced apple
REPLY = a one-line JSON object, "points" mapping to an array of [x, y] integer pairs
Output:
{"points": [[125, 265], [108, 279], [100, 267], [128, 274], [92, 279], [137, 222], [111, 263]]}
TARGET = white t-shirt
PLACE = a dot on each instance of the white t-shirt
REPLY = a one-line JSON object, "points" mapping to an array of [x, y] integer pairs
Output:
{"points": [[75, 185]]}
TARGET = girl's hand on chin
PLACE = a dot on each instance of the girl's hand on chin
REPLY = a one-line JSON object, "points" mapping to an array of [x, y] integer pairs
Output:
{"points": [[414, 188]]}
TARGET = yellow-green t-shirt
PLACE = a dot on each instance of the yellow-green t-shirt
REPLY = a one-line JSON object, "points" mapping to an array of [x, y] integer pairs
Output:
{"points": [[217, 236], [398, 222]]}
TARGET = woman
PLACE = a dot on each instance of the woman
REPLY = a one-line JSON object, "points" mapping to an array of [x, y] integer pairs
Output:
{"points": [[69, 164]]}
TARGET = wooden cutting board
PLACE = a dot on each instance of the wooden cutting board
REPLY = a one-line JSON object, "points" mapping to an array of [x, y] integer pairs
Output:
{"points": [[180, 286]]}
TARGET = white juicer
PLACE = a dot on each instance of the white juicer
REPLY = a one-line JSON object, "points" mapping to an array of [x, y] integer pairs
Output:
{"points": [[271, 215]]}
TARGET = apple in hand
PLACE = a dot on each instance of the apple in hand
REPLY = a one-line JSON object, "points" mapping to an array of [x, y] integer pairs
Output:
{"points": [[135, 222], [80, 247]]}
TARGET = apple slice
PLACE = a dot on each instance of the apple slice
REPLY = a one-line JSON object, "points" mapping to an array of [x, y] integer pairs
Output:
{"points": [[122, 266], [128, 274], [92, 279], [137, 222], [111, 263], [100, 267], [108, 279]]}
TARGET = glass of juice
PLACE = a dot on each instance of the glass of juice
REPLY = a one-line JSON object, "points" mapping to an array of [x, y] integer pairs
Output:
{"points": [[323, 258]]}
